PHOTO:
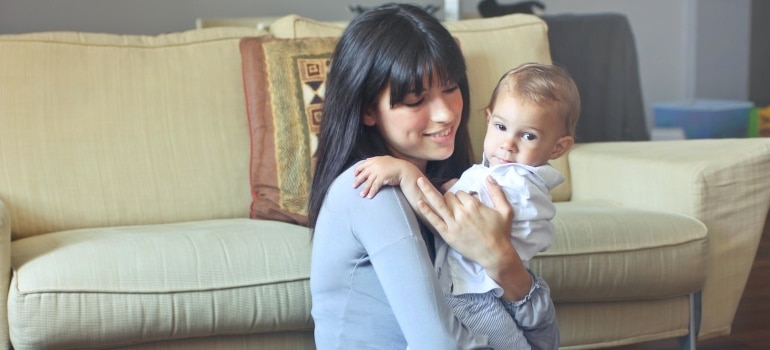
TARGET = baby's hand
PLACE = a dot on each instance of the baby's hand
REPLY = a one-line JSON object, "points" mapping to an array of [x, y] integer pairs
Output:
{"points": [[376, 172]]}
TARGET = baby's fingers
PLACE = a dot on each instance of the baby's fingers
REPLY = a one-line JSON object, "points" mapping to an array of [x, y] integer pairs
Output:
{"points": [[367, 183], [372, 187], [359, 180]]}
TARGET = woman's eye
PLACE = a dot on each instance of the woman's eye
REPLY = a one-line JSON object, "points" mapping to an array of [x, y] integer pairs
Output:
{"points": [[452, 88], [414, 102], [529, 136], [413, 99]]}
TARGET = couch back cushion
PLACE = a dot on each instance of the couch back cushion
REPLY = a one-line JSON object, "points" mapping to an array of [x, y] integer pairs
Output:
{"points": [[491, 46], [105, 130]]}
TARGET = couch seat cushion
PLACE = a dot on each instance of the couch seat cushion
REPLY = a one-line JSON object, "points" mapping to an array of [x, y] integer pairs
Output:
{"points": [[602, 251], [124, 285]]}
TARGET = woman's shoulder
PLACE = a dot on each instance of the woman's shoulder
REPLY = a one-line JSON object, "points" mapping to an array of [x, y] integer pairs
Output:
{"points": [[342, 190], [344, 180]]}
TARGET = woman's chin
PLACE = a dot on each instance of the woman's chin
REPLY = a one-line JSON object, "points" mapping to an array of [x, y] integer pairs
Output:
{"points": [[444, 155]]}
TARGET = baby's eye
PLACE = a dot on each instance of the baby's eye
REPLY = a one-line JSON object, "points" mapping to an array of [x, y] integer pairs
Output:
{"points": [[500, 127], [529, 136]]}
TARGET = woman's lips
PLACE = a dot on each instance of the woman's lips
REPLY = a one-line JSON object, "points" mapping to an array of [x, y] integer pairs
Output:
{"points": [[442, 137], [441, 133]]}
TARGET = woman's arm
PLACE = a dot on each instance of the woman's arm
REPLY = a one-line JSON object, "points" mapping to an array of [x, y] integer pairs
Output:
{"points": [[480, 233], [483, 235]]}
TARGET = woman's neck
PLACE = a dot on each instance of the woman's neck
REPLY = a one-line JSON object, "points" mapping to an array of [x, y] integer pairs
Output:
{"points": [[420, 164]]}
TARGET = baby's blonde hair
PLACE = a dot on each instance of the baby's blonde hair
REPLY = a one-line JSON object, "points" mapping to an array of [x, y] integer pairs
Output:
{"points": [[547, 85]]}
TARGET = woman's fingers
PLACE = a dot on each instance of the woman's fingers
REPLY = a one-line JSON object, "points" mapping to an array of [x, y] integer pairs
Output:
{"points": [[478, 232], [499, 201], [433, 206], [433, 198], [468, 201]]}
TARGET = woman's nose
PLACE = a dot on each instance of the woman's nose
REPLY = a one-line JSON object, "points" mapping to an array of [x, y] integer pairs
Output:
{"points": [[442, 111]]}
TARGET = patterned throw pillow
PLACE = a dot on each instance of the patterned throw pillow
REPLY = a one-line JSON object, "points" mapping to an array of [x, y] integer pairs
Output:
{"points": [[284, 85]]}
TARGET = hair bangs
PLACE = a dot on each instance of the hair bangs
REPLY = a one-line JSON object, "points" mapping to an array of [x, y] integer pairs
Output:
{"points": [[426, 63]]}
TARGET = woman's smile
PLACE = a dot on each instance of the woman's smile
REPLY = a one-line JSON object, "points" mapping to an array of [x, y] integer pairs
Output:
{"points": [[442, 136]]}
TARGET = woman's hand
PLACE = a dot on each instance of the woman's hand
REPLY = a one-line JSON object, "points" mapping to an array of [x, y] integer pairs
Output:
{"points": [[479, 233]]}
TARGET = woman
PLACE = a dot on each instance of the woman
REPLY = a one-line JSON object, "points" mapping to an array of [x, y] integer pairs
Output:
{"points": [[397, 86]]}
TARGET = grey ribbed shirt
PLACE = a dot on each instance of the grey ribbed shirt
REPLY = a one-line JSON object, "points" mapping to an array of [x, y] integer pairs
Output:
{"points": [[373, 284]]}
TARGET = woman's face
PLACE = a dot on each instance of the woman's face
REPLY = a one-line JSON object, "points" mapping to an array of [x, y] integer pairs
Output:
{"points": [[423, 126]]}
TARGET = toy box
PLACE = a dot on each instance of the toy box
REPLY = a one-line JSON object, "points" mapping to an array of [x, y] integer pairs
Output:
{"points": [[704, 118]]}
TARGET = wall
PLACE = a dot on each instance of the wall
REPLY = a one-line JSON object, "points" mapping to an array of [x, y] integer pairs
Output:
{"points": [[158, 16], [686, 48], [722, 49], [759, 77]]}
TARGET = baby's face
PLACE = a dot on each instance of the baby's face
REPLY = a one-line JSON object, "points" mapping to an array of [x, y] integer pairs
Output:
{"points": [[524, 133]]}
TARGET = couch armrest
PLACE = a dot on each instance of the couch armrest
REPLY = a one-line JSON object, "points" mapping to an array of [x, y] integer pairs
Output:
{"points": [[5, 273], [725, 183]]}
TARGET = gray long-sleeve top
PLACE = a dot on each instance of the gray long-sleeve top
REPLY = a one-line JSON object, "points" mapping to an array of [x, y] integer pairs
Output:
{"points": [[373, 284]]}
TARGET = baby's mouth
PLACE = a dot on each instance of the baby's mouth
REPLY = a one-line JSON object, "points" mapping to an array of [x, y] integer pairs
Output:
{"points": [[503, 160]]}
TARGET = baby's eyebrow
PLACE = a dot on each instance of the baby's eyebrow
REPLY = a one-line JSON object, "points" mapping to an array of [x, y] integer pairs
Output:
{"points": [[498, 117]]}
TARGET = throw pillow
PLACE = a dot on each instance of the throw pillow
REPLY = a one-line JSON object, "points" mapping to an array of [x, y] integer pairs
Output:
{"points": [[284, 85]]}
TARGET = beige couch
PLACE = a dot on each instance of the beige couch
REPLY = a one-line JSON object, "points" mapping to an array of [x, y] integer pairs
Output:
{"points": [[125, 170]]}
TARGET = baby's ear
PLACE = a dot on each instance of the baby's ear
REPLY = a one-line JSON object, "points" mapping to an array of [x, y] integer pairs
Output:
{"points": [[487, 114], [562, 146]]}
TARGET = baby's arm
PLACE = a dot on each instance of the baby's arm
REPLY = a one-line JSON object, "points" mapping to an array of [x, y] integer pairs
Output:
{"points": [[376, 172], [447, 185]]}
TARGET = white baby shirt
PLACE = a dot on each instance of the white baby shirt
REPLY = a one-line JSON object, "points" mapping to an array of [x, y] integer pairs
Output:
{"points": [[528, 189]]}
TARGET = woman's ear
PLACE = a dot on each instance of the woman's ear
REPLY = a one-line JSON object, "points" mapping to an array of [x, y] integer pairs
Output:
{"points": [[369, 118], [562, 146]]}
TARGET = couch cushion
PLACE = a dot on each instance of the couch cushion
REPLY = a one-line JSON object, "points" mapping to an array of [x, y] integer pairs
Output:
{"points": [[284, 86], [602, 251], [103, 130], [491, 46], [82, 288]]}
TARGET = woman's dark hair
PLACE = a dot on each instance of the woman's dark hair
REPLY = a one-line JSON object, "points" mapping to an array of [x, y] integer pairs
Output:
{"points": [[396, 45]]}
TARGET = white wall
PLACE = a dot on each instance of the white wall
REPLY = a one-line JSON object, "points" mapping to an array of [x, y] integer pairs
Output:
{"points": [[686, 48], [159, 16], [723, 41]]}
